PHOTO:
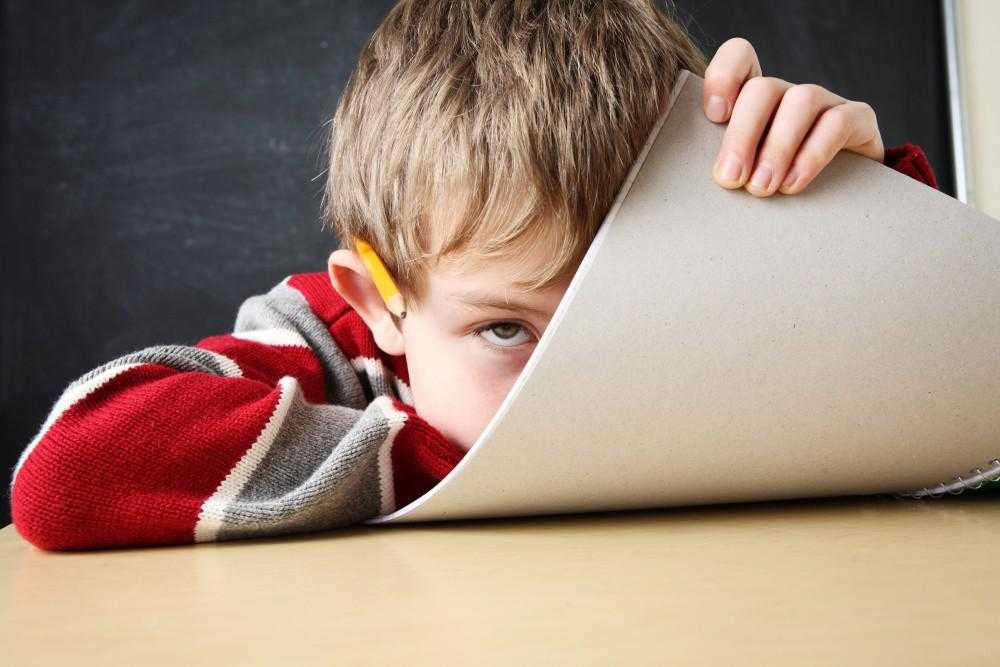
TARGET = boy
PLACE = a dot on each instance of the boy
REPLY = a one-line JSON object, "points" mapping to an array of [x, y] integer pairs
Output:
{"points": [[477, 147]]}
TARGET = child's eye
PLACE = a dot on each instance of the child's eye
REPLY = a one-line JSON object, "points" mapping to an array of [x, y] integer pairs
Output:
{"points": [[504, 334]]}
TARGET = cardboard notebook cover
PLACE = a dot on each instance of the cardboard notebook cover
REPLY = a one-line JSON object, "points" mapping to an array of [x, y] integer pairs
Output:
{"points": [[715, 347]]}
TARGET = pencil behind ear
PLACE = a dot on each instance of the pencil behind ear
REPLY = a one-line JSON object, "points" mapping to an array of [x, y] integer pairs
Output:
{"points": [[351, 279]]}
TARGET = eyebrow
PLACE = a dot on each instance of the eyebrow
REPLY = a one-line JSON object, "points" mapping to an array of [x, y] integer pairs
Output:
{"points": [[487, 300]]}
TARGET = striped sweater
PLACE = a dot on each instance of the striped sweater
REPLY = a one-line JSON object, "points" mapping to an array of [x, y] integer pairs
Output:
{"points": [[295, 421]]}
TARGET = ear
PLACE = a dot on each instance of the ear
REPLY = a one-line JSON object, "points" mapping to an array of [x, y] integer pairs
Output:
{"points": [[350, 278]]}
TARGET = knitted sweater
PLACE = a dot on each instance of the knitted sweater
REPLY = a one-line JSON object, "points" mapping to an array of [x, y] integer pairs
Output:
{"points": [[296, 421]]}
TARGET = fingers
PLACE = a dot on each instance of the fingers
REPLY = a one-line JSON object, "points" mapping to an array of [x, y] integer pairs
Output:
{"points": [[734, 63], [751, 114], [849, 126], [805, 125], [797, 112]]}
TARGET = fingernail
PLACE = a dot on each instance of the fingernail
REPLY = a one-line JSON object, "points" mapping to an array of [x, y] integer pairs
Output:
{"points": [[789, 181], [717, 108], [762, 176], [731, 169]]}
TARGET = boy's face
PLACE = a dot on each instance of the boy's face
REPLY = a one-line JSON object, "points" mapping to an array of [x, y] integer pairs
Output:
{"points": [[468, 340], [465, 342]]}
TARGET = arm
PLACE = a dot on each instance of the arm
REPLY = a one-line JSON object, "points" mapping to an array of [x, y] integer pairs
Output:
{"points": [[264, 431], [911, 160]]}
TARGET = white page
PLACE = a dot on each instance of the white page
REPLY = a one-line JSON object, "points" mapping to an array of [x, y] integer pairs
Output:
{"points": [[716, 347]]}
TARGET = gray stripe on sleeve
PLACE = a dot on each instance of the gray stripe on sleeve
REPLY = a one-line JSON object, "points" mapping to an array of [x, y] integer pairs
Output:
{"points": [[320, 473], [286, 308], [181, 357]]}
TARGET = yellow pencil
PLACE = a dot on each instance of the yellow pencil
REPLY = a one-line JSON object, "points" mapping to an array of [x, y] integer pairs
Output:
{"points": [[383, 281]]}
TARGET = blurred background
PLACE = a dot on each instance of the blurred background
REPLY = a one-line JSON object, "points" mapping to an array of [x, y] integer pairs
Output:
{"points": [[164, 161]]}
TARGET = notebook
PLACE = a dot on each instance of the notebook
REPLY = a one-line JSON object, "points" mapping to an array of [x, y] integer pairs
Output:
{"points": [[716, 347]]}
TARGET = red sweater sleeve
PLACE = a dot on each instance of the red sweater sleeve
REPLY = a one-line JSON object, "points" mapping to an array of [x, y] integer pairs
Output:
{"points": [[267, 430], [911, 160]]}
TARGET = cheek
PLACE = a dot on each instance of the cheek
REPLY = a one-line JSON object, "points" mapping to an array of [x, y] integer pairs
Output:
{"points": [[457, 386]]}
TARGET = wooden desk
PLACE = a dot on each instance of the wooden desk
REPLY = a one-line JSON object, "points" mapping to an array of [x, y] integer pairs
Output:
{"points": [[857, 580]]}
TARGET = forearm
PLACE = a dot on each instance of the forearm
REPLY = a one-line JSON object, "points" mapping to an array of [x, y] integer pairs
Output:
{"points": [[232, 437], [910, 159]]}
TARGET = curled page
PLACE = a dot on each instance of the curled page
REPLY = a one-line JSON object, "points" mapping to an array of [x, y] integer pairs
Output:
{"points": [[715, 347]]}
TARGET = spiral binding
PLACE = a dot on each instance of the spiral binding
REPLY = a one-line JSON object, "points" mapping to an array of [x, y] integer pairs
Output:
{"points": [[977, 477]]}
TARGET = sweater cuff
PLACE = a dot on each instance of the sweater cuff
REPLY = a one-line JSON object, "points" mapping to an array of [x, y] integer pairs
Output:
{"points": [[421, 457], [446, 453], [910, 159]]}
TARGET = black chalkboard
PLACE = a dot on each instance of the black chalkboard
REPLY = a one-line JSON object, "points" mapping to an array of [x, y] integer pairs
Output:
{"points": [[163, 161]]}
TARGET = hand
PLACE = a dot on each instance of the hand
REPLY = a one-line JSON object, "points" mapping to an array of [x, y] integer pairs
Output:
{"points": [[808, 125]]}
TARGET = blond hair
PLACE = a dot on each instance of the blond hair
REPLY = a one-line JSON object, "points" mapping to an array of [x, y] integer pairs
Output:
{"points": [[480, 126]]}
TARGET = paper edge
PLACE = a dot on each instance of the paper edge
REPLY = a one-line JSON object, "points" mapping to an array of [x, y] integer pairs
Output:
{"points": [[557, 317]]}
